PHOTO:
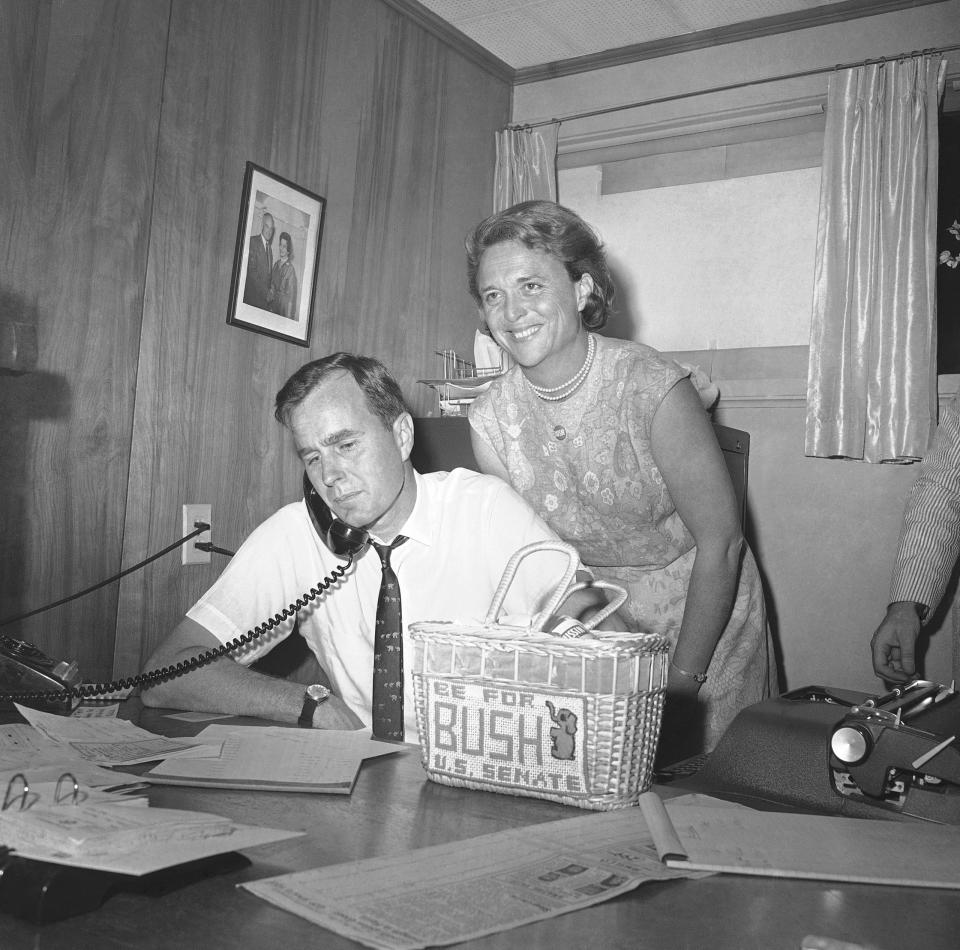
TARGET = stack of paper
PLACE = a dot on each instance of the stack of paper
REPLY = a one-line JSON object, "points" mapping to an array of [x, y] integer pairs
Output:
{"points": [[275, 758]]}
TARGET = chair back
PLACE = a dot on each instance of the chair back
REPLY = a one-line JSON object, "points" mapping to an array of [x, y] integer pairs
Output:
{"points": [[735, 445]]}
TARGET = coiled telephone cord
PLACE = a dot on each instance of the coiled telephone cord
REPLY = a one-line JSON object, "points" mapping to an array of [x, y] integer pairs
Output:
{"points": [[91, 690]]}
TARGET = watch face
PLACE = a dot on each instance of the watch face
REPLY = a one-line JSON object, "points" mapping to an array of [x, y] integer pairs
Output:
{"points": [[317, 692]]}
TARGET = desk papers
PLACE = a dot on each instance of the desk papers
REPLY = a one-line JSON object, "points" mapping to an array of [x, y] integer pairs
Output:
{"points": [[105, 741], [700, 833], [448, 893], [125, 839], [23, 749], [94, 828], [273, 758]]}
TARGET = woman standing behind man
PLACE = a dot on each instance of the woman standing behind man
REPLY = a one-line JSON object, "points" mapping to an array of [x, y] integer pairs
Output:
{"points": [[610, 443], [283, 281]]}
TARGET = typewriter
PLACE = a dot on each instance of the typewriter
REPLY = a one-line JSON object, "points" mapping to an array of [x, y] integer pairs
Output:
{"points": [[832, 750]]}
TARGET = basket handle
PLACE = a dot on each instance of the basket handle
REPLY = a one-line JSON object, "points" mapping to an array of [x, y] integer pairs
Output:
{"points": [[600, 615], [511, 569]]}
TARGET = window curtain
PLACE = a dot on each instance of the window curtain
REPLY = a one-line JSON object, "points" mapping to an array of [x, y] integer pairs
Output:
{"points": [[871, 391], [526, 165]]}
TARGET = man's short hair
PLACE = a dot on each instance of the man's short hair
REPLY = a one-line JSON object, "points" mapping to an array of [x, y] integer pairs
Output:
{"points": [[384, 396]]}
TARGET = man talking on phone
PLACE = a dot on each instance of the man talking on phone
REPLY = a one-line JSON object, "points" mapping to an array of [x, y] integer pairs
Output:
{"points": [[411, 547]]}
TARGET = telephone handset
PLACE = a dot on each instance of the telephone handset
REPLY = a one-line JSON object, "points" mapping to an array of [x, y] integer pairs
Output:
{"points": [[27, 675], [342, 539]]}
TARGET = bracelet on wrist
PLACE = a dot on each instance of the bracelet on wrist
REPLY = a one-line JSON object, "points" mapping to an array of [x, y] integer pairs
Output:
{"points": [[700, 678]]}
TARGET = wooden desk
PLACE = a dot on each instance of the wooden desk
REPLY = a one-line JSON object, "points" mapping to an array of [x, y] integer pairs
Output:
{"points": [[394, 808]]}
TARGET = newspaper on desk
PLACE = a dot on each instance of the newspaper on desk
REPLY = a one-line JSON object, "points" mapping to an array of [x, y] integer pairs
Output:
{"points": [[466, 889]]}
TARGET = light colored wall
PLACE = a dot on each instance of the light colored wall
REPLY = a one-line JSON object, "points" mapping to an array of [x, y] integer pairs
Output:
{"points": [[823, 531], [721, 274], [717, 264]]}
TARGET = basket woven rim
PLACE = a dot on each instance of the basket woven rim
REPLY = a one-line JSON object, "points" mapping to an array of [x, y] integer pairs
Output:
{"points": [[501, 636]]}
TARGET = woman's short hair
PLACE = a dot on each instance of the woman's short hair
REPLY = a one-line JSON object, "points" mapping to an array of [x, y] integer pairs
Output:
{"points": [[383, 394], [555, 230], [286, 237]]}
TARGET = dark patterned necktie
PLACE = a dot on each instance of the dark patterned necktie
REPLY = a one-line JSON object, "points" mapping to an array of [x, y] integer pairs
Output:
{"points": [[388, 652]]}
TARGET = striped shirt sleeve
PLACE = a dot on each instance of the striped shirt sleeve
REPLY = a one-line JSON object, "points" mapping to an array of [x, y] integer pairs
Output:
{"points": [[930, 535]]}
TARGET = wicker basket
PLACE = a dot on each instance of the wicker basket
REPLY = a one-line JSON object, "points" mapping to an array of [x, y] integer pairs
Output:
{"points": [[571, 718]]}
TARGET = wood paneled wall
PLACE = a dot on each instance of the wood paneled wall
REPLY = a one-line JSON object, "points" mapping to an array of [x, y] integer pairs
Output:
{"points": [[80, 90], [125, 248]]}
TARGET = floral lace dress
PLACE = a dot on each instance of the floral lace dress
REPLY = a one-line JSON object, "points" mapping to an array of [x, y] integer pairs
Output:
{"points": [[586, 466]]}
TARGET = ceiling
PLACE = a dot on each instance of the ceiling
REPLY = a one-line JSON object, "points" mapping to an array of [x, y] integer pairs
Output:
{"points": [[536, 38]]}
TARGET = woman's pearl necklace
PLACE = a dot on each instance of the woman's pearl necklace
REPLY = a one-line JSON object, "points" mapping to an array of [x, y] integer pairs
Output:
{"points": [[564, 390]]}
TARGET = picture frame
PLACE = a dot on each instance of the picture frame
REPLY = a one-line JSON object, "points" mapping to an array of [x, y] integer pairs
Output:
{"points": [[274, 277]]}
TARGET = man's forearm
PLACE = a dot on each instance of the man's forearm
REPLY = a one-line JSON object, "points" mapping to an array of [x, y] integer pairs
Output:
{"points": [[223, 686]]}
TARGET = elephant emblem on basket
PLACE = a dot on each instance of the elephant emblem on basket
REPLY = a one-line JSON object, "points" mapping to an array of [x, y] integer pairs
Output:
{"points": [[563, 733]]}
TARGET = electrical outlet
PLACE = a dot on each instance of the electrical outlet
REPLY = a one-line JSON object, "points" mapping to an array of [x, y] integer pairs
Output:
{"points": [[191, 515]]}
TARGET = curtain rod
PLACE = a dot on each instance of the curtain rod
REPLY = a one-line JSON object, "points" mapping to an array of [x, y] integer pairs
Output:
{"points": [[737, 85]]}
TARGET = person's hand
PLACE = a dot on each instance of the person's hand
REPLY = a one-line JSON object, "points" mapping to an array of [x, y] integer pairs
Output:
{"points": [[335, 714], [894, 643]]}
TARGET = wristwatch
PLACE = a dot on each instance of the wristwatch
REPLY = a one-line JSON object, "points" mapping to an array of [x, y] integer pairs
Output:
{"points": [[312, 697]]}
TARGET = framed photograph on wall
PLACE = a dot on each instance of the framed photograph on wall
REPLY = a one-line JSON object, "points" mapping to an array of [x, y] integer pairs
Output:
{"points": [[275, 262]]}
